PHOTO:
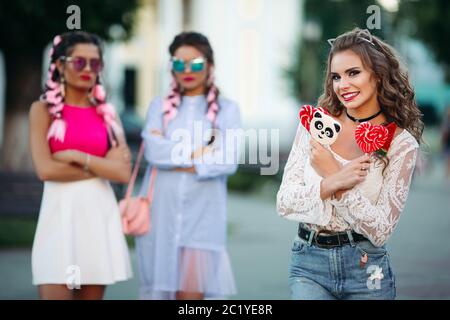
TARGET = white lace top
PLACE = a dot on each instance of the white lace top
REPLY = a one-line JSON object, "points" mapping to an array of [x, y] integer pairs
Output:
{"points": [[372, 208]]}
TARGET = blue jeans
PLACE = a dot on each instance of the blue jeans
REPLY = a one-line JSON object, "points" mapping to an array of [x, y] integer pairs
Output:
{"points": [[335, 273]]}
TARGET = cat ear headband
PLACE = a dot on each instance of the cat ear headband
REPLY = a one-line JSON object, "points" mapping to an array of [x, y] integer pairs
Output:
{"points": [[364, 35]]}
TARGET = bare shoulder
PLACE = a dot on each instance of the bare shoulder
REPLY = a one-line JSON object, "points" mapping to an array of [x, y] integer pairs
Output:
{"points": [[39, 109], [39, 113]]}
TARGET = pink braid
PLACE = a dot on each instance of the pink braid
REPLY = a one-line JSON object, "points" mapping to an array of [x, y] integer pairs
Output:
{"points": [[50, 83], [171, 103], [107, 111], [211, 98], [99, 93], [55, 99], [58, 127], [56, 40]]}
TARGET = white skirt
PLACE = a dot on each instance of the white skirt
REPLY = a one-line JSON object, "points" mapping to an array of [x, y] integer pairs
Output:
{"points": [[79, 238]]}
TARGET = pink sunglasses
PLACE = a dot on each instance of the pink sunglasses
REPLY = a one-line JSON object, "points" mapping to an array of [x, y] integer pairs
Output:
{"points": [[79, 63]]}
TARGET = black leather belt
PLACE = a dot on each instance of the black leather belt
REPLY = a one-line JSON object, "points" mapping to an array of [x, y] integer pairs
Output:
{"points": [[326, 239]]}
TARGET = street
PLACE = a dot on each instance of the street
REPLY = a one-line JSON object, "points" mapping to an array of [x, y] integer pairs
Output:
{"points": [[259, 246]]}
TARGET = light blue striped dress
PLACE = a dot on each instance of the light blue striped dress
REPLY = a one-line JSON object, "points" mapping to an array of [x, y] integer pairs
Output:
{"points": [[185, 249]]}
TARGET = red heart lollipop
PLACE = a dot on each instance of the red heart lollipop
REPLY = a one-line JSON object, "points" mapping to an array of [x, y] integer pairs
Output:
{"points": [[306, 113], [370, 138], [391, 127]]}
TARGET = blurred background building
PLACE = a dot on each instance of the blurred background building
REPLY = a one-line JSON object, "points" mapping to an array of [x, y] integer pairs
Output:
{"points": [[269, 58], [251, 51]]}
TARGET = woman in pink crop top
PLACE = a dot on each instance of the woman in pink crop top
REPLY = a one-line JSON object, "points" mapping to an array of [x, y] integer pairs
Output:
{"points": [[77, 145]]}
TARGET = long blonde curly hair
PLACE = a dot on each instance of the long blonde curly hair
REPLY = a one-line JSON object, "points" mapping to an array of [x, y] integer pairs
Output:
{"points": [[394, 91]]}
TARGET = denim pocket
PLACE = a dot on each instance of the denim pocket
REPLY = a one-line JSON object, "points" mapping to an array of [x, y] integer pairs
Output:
{"points": [[370, 249], [298, 246]]}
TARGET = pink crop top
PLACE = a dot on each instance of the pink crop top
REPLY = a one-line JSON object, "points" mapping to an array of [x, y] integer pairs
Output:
{"points": [[86, 131]]}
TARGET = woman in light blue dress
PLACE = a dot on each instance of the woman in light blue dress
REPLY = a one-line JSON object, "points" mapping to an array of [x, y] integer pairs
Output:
{"points": [[189, 140]]}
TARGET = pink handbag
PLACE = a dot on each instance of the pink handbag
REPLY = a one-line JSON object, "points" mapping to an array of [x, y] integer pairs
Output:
{"points": [[135, 211]]}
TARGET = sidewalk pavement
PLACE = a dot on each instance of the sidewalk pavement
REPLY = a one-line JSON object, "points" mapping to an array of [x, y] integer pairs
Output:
{"points": [[259, 246]]}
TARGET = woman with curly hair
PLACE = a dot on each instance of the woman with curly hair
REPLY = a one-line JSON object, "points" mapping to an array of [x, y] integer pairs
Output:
{"points": [[348, 203], [77, 146]]}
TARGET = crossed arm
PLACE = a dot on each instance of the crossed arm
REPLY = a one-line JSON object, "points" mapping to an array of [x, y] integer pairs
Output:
{"points": [[194, 155], [69, 165]]}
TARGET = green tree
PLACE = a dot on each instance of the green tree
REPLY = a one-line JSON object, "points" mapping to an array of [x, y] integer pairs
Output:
{"points": [[328, 19], [26, 27], [430, 21]]}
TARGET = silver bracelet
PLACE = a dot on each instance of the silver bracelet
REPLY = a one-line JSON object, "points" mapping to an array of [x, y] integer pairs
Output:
{"points": [[86, 164]]}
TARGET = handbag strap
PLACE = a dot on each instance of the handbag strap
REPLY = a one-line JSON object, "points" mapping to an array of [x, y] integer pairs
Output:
{"points": [[151, 185], [135, 172], [134, 175]]}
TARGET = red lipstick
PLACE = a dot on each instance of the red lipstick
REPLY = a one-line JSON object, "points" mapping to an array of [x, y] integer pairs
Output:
{"points": [[350, 96], [85, 77]]}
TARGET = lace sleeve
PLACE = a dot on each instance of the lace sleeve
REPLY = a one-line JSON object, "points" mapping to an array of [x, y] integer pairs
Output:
{"points": [[297, 200], [377, 222]]}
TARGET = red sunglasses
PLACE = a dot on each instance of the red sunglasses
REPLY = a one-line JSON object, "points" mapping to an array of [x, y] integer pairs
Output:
{"points": [[79, 63]]}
